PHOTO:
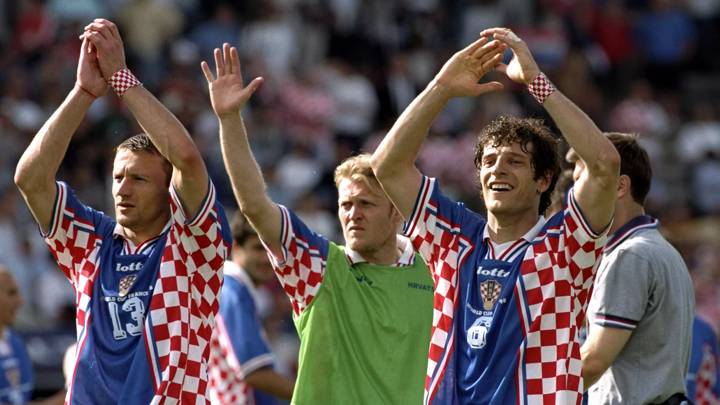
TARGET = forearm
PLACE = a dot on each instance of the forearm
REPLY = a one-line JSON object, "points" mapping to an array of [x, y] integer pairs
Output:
{"points": [[247, 180], [581, 133], [400, 147], [268, 381], [163, 128], [394, 160], [41, 160]]}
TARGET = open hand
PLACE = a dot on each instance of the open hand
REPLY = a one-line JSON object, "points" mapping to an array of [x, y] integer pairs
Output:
{"points": [[89, 77], [462, 72], [228, 94], [522, 67]]}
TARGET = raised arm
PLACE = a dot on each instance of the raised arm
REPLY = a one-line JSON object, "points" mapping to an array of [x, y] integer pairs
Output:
{"points": [[228, 96], [38, 166], [595, 190], [190, 178], [394, 160]]}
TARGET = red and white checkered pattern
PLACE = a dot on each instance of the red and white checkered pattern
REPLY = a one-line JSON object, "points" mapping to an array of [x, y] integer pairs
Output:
{"points": [[706, 379], [301, 270], [557, 274], [122, 80], [541, 88], [185, 298], [226, 373]]}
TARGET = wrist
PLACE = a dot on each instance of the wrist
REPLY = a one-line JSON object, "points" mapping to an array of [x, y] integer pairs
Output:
{"points": [[84, 90], [437, 89], [122, 81], [541, 88]]}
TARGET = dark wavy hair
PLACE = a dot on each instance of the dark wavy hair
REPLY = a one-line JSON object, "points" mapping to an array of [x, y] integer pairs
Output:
{"points": [[534, 138]]}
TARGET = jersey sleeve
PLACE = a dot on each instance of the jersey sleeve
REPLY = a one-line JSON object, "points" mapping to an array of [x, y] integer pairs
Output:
{"points": [[622, 291], [438, 228], [75, 229], [581, 246], [239, 324], [301, 266], [206, 237]]}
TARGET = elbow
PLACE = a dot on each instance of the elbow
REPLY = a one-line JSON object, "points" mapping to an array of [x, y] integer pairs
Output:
{"points": [[592, 369], [23, 178]]}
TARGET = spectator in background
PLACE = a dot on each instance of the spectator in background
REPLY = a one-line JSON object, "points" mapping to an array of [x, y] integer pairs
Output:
{"points": [[641, 310], [703, 378], [16, 375], [241, 364]]}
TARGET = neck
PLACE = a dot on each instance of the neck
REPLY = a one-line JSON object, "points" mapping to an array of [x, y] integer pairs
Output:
{"points": [[624, 212], [138, 236], [387, 254], [510, 227]]}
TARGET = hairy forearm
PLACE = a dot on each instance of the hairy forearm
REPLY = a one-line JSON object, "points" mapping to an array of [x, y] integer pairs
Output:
{"points": [[41, 160], [246, 178]]}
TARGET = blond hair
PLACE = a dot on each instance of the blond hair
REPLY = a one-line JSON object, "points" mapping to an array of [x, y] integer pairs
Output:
{"points": [[356, 168]]}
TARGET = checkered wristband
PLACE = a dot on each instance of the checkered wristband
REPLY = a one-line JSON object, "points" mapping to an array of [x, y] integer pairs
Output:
{"points": [[541, 88], [122, 80]]}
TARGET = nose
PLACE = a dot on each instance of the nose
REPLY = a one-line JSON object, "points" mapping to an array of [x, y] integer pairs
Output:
{"points": [[124, 188]]}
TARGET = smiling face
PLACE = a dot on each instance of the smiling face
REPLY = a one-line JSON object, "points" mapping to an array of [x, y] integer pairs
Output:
{"points": [[507, 179], [368, 219], [140, 191]]}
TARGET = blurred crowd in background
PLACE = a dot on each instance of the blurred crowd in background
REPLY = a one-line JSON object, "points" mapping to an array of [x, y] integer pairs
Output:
{"points": [[337, 74]]}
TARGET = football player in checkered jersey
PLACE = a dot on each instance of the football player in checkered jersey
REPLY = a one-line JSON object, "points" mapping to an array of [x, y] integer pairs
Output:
{"points": [[703, 378], [241, 364], [362, 311], [641, 311], [511, 288], [146, 282]]}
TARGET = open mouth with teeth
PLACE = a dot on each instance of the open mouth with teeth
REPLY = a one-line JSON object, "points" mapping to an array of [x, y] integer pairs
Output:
{"points": [[500, 187]]}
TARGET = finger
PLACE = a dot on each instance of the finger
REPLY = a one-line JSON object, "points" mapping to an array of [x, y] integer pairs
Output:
{"points": [[492, 31], [483, 88], [219, 67], [235, 60], [227, 59], [485, 49], [492, 63], [84, 47], [97, 28], [255, 84], [470, 49], [206, 71], [113, 29]]}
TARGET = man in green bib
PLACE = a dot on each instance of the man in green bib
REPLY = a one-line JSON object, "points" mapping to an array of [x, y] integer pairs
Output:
{"points": [[363, 311]]}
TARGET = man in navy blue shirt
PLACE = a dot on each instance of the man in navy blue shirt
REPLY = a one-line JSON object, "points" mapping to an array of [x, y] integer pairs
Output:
{"points": [[16, 377]]}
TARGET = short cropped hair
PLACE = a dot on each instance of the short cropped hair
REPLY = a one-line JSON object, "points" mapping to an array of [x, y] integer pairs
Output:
{"points": [[356, 168], [534, 138], [634, 163], [142, 143], [241, 228]]}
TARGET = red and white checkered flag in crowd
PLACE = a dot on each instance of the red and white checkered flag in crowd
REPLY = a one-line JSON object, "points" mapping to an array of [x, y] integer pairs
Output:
{"points": [[706, 379]]}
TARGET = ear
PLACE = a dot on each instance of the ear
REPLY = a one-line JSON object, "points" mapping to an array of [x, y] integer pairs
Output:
{"points": [[543, 183], [624, 186]]}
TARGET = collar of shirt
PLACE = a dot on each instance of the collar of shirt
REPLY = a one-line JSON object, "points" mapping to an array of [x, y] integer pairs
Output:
{"points": [[118, 233], [407, 257], [505, 251], [629, 228]]}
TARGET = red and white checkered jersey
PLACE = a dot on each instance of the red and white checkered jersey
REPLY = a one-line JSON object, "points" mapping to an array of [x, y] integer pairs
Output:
{"points": [[184, 301], [552, 285]]}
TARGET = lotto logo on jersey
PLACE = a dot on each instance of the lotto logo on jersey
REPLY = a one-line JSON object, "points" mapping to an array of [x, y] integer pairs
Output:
{"points": [[492, 272], [130, 267]]}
